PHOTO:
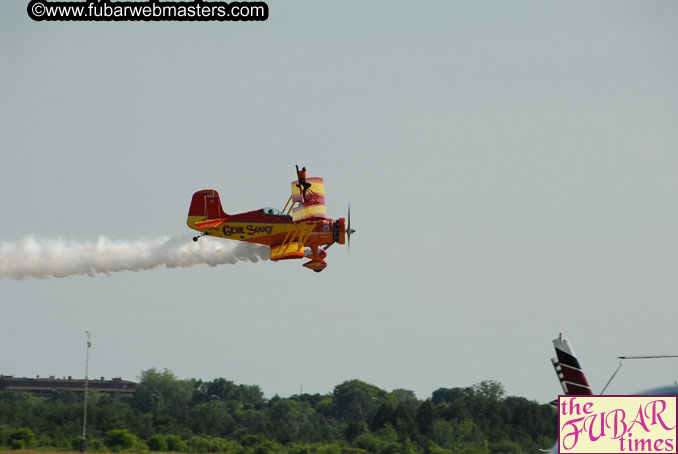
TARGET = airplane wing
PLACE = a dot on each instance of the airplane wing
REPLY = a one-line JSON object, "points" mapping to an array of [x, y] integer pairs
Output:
{"points": [[292, 246], [314, 205]]}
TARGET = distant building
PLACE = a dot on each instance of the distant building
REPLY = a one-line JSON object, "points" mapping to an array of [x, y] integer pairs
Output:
{"points": [[46, 386]]}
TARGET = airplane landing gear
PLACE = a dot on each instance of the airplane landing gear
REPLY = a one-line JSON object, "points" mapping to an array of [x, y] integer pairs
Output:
{"points": [[196, 238]]}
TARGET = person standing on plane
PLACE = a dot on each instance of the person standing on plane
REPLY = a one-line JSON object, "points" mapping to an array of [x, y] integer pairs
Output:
{"points": [[303, 184]]}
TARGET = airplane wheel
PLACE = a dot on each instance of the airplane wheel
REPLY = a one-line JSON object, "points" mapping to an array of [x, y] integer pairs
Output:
{"points": [[317, 271], [195, 238]]}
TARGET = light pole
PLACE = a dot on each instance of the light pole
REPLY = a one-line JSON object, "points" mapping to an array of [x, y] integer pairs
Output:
{"points": [[83, 442]]}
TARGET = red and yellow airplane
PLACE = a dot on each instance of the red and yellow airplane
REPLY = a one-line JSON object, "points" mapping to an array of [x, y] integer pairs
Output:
{"points": [[301, 224]]}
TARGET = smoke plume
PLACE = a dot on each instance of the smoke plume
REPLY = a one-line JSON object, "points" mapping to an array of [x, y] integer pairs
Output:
{"points": [[37, 258]]}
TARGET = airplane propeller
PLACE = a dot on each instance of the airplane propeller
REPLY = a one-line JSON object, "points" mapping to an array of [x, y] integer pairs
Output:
{"points": [[349, 230]]}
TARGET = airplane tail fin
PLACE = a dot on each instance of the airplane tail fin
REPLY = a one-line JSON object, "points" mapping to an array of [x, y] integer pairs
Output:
{"points": [[570, 373], [205, 205]]}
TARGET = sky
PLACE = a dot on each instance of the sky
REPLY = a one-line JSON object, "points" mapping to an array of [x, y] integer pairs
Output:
{"points": [[510, 167]]}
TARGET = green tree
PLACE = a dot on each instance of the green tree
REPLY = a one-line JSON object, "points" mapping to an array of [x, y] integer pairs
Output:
{"points": [[250, 421], [219, 388], [251, 395], [357, 401], [455, 434], [164, 396], [354, 429], [406, 398], [404, 422], [291, 420], [384, 415], [489, 389], [425, 416], [211, 418], [448, 395]]}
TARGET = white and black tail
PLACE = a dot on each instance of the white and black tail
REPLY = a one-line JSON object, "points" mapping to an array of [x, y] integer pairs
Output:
{"points": [[570, 373]]}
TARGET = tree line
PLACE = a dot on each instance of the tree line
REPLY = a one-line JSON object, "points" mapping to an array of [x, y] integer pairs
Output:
{"points": [[168, 414]]}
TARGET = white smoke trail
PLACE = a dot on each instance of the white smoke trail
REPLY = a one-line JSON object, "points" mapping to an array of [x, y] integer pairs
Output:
{"points": [[37, 258]]}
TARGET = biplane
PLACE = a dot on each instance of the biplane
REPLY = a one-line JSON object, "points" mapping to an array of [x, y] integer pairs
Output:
{"points": [[300, 230]]}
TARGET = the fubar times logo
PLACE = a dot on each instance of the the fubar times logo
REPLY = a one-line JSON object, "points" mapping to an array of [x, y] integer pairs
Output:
{"points": [[617, 424]]}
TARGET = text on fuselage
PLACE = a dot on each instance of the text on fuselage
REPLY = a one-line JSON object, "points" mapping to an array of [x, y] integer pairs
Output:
{"points": [[249, 229]]}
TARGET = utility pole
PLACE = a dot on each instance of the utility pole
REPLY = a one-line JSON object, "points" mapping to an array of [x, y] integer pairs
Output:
{"points": [[83, 442]]}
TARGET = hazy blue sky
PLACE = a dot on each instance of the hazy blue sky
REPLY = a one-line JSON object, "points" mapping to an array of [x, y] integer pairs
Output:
{"points": [[511, 169]]}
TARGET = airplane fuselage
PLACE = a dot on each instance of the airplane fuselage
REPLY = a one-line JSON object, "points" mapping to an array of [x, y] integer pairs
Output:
{"points": [[257, 227]]}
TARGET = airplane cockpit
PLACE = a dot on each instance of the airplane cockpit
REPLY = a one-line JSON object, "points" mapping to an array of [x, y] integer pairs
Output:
{"points": [[268, 211]]}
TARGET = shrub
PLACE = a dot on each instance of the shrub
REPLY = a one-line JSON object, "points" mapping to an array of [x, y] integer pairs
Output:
{"points": [[251, 440], [93, 444], [175, 443], [352, 450], [24, 434], [200, 444], [329, 449], [76, 443], [268, 447], [139, 446], [96, 444], [120, 439], [46, 442], [157, 442], [370, 443]]}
